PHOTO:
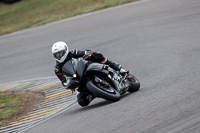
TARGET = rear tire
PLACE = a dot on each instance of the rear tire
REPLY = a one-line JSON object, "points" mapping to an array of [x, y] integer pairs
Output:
{"points": [[112, 95], [134, 83]]}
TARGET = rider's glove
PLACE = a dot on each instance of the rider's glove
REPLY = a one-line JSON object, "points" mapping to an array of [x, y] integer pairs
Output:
{"points": [[64, 84]]}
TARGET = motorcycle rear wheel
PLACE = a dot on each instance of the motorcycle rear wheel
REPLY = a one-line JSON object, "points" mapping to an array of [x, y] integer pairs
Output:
{"points": [[134, 83], [111, 95]]}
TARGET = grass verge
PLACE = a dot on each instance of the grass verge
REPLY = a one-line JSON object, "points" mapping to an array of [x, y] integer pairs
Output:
{"points": [[31, 13], [14, 105]]}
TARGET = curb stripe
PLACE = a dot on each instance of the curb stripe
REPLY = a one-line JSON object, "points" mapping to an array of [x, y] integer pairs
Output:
{"points": [[57, 99]]}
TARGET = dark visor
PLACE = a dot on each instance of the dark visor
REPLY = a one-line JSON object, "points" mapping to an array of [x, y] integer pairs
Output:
{"points": [[58, 55]]}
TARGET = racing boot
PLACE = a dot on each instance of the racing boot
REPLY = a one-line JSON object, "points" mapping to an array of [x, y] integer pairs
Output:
{"points": [[113, 65], [116, 67]]}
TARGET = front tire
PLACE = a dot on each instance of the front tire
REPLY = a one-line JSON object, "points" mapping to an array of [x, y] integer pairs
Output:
{"points": [[134, 83], [111, 95]]}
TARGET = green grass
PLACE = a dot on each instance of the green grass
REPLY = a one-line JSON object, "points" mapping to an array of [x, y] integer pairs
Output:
{"points": [[10, 104], [31, 13]]}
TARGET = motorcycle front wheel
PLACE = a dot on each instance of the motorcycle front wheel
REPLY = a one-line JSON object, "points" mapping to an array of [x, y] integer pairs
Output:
{"points": [[108, 93]]}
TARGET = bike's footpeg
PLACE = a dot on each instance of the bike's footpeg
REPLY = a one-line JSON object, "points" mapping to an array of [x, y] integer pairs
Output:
{"points": [[123, 71]]}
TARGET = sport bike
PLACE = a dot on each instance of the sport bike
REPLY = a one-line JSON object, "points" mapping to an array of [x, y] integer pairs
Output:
{"points": [[98, 79]]}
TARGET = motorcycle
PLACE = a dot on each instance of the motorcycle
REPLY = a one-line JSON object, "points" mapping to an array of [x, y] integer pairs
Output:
{"points": [[98, 79]]}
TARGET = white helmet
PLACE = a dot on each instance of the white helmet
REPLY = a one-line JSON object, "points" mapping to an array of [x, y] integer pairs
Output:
{"points": [[60, 51]]}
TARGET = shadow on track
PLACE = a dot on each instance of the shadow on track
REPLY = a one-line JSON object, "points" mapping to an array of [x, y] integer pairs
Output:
{"points": [[94, 106], [103, 103], [99, 104]]}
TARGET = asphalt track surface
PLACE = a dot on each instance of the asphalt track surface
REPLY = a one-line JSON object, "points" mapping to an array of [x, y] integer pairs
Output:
{"points": [[157, 40]]}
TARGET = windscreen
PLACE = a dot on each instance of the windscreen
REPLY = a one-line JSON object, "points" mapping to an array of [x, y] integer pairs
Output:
{"points": [[69, 68]]}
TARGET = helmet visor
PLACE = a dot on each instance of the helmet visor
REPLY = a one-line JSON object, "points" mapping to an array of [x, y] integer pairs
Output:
{"points": [[58, 55]]}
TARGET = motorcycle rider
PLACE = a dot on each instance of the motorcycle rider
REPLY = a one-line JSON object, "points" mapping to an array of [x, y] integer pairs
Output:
{"points": [[62, 54]]}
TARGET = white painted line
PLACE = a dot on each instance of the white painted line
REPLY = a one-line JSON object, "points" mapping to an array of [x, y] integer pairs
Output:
{"points": [[50, 117], [57, 101], [29, 80]]}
